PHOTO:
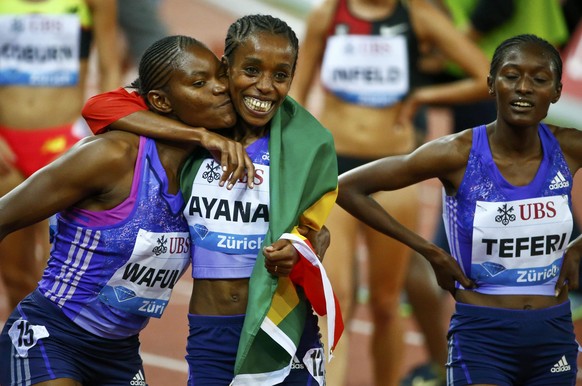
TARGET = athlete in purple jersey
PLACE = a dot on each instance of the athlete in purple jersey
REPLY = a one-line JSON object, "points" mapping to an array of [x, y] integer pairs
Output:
{"points": [[507, 207], [120, 241]]}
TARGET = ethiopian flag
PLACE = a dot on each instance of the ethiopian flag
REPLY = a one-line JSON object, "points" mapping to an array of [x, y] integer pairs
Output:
{"points": [[303, 167]]}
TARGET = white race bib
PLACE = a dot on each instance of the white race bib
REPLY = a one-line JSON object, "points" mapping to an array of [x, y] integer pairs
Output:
{"points": [[520, 243], [369, 70], [144, 284], [39, 50], [24, 336]]}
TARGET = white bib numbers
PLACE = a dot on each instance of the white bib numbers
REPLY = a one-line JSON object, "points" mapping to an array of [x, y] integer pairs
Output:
{"points": [[24, 336], [144, 284], [314, 361]]}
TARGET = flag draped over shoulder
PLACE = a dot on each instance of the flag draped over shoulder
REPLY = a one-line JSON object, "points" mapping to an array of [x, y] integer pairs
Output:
{"points": [[303, 187], [303, 169]]}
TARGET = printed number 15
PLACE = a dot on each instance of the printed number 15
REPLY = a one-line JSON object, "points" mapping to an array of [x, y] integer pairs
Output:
{"points": [[26, 336]]}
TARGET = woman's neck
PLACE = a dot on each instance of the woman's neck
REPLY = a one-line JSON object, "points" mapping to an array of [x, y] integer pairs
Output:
{"points": [[511, 140], [246, 134]]}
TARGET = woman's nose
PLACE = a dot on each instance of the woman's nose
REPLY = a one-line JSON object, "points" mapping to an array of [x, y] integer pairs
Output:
{"points": [[524, 84], [264, 83]]}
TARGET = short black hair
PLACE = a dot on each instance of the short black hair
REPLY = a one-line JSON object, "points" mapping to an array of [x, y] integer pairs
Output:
{"points": [[249, 24], [160, 59]]}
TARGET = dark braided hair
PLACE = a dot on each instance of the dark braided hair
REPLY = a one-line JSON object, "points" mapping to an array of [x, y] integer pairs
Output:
{"points": [[159, 60], [524, 39], [250, 24]]}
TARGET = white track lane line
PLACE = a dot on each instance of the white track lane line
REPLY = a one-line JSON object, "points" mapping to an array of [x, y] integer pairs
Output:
{"points": [[163, 362]]}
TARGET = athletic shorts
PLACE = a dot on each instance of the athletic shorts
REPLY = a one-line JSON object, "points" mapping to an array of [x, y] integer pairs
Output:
{"points": [[35, 149], [39, 343], [213, 342], [511, 347]]}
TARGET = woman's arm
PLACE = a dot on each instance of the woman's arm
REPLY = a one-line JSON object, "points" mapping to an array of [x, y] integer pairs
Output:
{"points": [[444, 158], [311, 51], [121, 110], [104, 13], [102, 110], [74, 179], [571, 144], [570, 270], [434, 28]]}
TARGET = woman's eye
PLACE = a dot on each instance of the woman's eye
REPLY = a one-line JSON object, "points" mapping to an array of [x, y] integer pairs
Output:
{"points": [[281, 76], [251, 70], [199, 83]]}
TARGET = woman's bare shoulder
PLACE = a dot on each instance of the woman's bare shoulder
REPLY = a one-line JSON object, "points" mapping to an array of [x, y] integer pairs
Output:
{"points": [[570, 140]]}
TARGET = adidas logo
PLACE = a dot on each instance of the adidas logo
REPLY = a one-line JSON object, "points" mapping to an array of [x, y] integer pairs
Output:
{"points": [[559, 182], [296, 364], [138, 380], [561, 366]]}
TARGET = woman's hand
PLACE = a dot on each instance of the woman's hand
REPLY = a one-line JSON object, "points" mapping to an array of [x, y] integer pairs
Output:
{"points": [[447, 270], [408, 108], [234, 160], [280, 257]]}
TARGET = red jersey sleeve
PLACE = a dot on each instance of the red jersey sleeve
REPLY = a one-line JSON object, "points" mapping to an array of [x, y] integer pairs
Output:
{"points": [[103, 109]]}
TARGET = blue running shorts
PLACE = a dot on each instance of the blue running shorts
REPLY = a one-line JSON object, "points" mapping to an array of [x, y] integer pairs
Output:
{"points": [[39, 343], [511, 347], [213, 342]]}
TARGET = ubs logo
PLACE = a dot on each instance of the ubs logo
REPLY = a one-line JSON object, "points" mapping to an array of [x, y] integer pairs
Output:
{"points": [[530, 211], [212, 172], [505, 215]]}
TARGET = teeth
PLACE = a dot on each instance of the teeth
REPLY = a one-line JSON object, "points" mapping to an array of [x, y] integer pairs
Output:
{"points": [[258, 105], [522, 104]]}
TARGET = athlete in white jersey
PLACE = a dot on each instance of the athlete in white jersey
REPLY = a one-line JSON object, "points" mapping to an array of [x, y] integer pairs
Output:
{"points": [[507, 209]]}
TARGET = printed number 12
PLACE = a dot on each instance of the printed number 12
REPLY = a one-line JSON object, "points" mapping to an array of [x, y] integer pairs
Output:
{"points": [[316, 360]]}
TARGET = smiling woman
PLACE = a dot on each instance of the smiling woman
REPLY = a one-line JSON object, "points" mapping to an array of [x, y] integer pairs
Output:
{"points": [[509, 272], [249, 257], [260, 76]]}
